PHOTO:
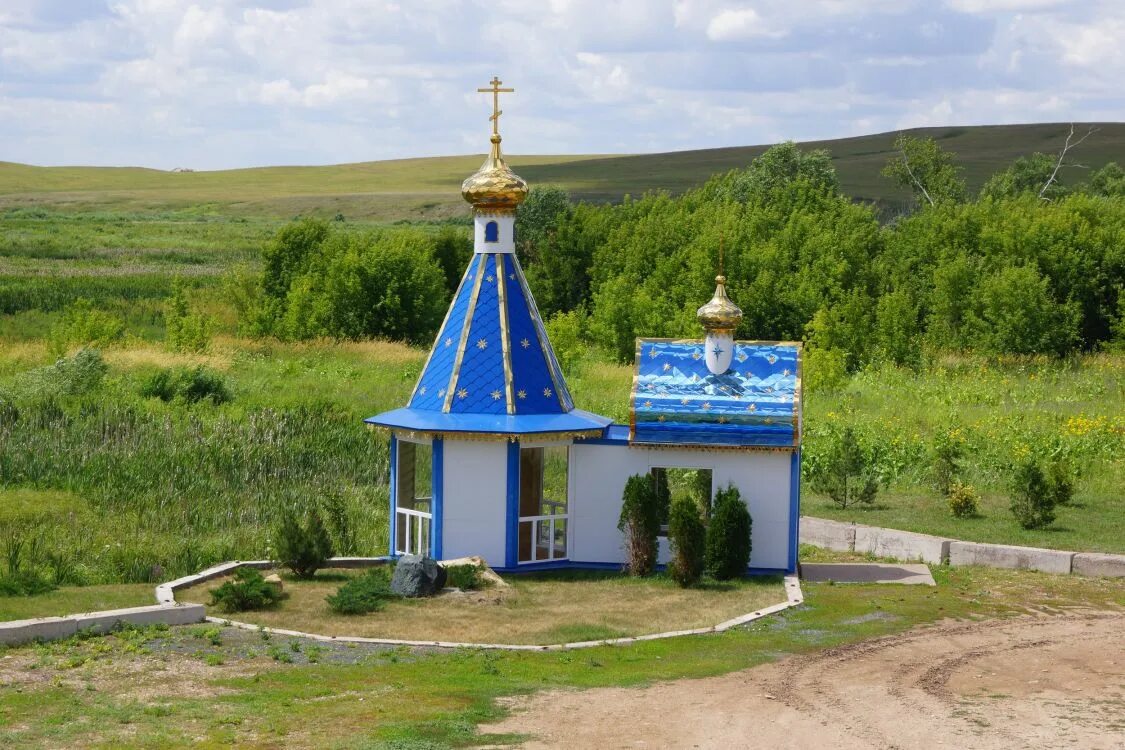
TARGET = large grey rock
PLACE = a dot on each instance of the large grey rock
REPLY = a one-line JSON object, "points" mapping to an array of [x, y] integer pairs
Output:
{"points": [[1098, 564], [1008, 556], [901, 545], [417, 576], [820, 532]]}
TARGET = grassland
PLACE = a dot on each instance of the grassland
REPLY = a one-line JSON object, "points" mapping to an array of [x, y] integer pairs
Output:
{"points": [[427, 189], [210, 687], [534, 608]]}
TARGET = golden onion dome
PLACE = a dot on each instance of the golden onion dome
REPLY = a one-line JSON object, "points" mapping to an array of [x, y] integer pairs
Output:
{"points": [[494, 187], [720, 314]]}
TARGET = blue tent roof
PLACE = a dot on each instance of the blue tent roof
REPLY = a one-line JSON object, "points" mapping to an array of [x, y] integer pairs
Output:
{"points": [[677, 400], [491, 368]]}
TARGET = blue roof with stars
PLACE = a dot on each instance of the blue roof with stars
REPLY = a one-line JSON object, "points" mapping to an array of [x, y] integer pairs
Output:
{"points": [[676, 399], [492, 368]]}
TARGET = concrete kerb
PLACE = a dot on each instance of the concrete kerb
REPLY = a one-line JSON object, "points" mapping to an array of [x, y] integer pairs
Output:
{"points": [[1098, 564], [16, 632], [908, 545], [793, 596], [1010, 556]]}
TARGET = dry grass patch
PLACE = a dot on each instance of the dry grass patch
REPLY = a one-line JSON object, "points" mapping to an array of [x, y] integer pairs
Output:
{"points": [[152, 356], [540, 608]]}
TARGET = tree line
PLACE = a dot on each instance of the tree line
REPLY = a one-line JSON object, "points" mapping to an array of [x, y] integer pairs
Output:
{"points": [[1028, 266]]}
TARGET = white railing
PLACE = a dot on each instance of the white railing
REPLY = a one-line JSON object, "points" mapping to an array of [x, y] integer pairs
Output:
{"points": [[546, 535], [413, 527]]}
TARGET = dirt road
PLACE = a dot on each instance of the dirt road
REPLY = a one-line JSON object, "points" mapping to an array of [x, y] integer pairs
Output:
{"points": [[1050, 681]]}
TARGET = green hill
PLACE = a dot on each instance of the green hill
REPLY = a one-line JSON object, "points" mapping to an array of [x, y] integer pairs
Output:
{"points": [[428, 187]]}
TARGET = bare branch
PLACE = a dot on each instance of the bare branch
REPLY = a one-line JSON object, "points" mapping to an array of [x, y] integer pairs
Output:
{"points": [[917, 183], [1067, 145]]}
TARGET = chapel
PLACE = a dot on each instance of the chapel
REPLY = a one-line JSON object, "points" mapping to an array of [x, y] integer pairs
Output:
{"points": [[490, 457]]}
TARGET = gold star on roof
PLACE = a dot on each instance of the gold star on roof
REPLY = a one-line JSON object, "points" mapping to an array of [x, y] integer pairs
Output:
{"points": [[769, 420], [489, 278], [696, 355], [463, 393], [741, 357], [512, 276], [722, 420], [786, 372], [448, 341], [660, 418], [769, 389], [482, 344], [752, 407], [706, 406], [496, 395], [772, 358], [422, 390], [648, 404], [521, 394], [525, 343], [684, 401], [652, 353], [546, 392], [441, 393], [667, 367]]}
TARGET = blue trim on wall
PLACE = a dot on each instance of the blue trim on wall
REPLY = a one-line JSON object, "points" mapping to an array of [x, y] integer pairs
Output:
{"points": [[794, 507], [437, 491], [394, 492], [512, 518]]}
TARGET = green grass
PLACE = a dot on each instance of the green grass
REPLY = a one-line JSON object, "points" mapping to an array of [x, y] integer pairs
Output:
{"points": [[109, 692], [69, 600], [428, 188], [1002, 413], [144, 510]]}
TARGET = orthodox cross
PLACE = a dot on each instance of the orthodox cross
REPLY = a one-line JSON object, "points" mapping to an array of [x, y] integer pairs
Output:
{"points": [[496, 91]]}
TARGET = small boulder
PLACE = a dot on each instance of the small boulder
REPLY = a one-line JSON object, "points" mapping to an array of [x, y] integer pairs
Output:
{"points": [[274, 580], [417, 576]]}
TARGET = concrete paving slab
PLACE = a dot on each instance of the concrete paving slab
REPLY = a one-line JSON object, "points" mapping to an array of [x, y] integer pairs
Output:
{"points": [[915, 574]]}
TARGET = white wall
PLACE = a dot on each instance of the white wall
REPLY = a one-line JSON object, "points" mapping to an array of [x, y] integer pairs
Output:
{"points": [[475, 485], [505, 238], [598, 474]]}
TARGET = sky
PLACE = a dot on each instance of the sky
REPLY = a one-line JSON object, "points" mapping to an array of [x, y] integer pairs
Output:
{"points": [[236, 83]]}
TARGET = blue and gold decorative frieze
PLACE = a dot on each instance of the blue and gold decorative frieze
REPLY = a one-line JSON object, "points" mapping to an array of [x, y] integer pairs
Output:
{"points": [[676, 399]]}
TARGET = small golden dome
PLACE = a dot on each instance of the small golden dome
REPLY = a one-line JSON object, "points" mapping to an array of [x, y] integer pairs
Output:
{"points": [[494, 187], [720, 314]]}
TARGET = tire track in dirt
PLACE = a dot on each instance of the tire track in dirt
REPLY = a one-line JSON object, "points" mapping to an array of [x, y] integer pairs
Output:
{"points": [[1028, 681]]}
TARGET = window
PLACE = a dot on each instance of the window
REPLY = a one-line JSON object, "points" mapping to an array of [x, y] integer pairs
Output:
{"points": [[673, 484], [492, 232], [543, 503], [414, 498]]}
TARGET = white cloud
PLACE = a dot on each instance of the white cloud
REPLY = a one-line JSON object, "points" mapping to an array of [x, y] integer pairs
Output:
{"points": [[743, 23], [220, 83]]}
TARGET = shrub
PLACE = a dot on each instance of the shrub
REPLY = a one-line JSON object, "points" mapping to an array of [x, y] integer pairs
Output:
{"points": [[846, 474], [191, 385], [185, 330], [963, 500], [728, 536], [1060, 483], [640, 522], [303, 549], [84, 325], [1033, 502], [365, 593], [72, 376], [24, 583], [688, 537], [947, 450], [467, 577], [249, 590]]}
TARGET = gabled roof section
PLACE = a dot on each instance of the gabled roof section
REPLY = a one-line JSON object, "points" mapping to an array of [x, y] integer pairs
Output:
{"points": [[491, 359], [676, 400]]}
